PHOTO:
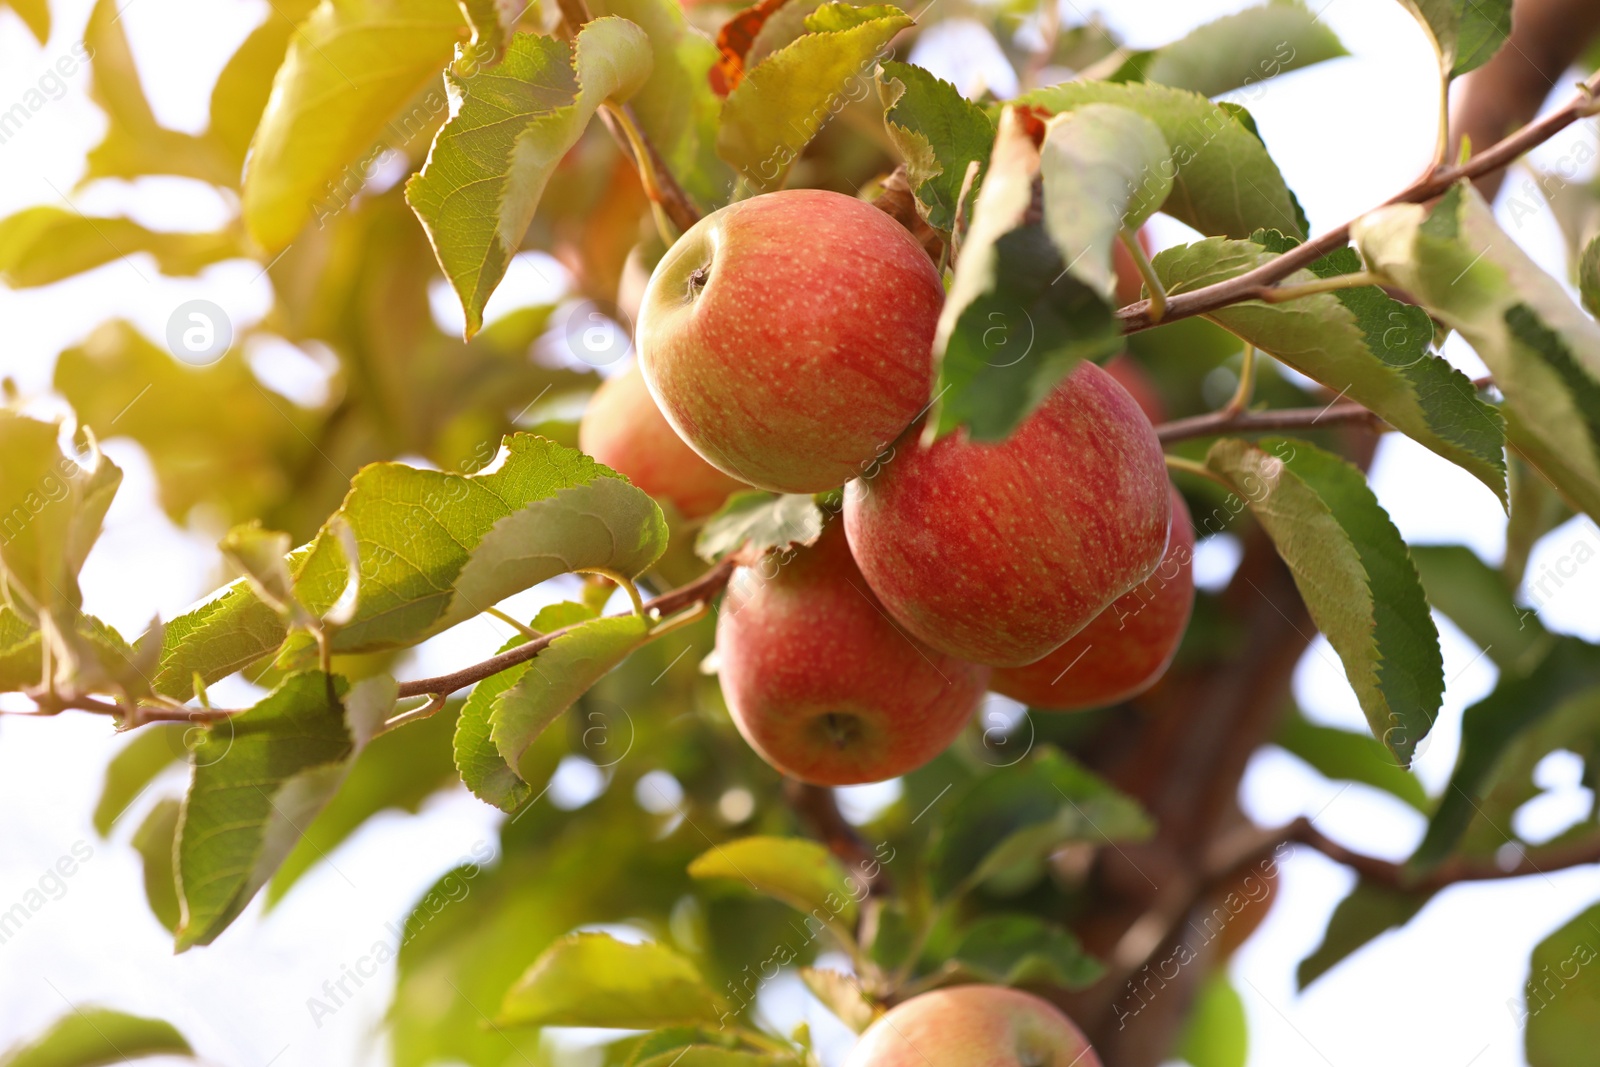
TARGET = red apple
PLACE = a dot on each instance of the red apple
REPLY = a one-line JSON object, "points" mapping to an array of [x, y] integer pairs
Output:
{"points": [[1132, 377], [1130, 283], [623, 428], [997, 553], [823, 684], [788, 337], [1127, 647], [973, 1026]]}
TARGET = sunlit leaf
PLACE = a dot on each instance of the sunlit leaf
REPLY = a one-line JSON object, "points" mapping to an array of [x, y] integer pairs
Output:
{"points": [[596, 980], [801, 873], [41, 245], [154, 842], [35, 14], [90, 1037], [1236, 50], [939, 133], [1217, 1033], [148, 752], [1465, 33]]}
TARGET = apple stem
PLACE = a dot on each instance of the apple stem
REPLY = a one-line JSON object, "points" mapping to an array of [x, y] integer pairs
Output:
{"points": [[1158, 292], [1247, 382]]}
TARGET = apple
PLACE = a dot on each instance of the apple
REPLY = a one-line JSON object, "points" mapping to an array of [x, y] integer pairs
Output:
{"points": [[623, 428], [973, 1026], [823, 684], [999, 552], [1130, 283], [788, 337], [1132, 377], [1127, 647]]}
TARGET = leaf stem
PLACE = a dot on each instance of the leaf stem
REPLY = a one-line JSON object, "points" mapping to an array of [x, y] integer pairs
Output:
{"points": [[1280, 294], [644, 160], [522, 628], [621, 579], [1247, 383], [1147, 271], [1199, 470]]}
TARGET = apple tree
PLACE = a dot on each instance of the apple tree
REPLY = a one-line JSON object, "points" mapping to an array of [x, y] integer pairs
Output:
{"points": [[918, 412]]}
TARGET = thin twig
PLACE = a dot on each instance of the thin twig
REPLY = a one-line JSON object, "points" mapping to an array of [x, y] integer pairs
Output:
{"points": [[1254, 284], [1224, 421], [1452, 872]]}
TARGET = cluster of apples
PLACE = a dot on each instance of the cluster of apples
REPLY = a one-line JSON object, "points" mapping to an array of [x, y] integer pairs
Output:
{"points": [[787, 340]]}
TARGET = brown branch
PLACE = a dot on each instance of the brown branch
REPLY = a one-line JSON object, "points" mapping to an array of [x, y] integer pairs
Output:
{"points": [[1452, 872], [1252, 284], [818, 808], [1213, 423]]}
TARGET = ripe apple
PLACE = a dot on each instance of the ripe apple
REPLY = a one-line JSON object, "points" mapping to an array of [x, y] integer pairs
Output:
{"points": [[1127, 647], [999, 552], [788, 337], [623, 428], [1130, 283], [973, 1026], [823, 684], [1132, 377]]}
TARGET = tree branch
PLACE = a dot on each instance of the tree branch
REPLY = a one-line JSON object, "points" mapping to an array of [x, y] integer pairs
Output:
{"points": [[1213, 423], [1254, 284], [818, 808]]}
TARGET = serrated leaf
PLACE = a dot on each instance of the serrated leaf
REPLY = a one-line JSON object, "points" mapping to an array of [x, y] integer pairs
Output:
{"points": [[35, 14], [1344, 755], [1025, 950], [1105, 169], [1562, 995], [1589, 276], [52, 506], [154, 841], [1236, 50], [431, 554], [561, 673], [483, 771], [135, 144], [43, 245], [1353, 572], [151, 750], [491, 22], [1465, 33], [90, 1037], [1014, 818], [1474, 597], [509, 127], [259, 777], [21, 653], [1014, 322], [596, 980], [1543, 350], [758, 522], [1369, 911], [1224, 182], [1566, 681], [1217, 1033], [939, 134], [1359, 342], [841, 994], [801, 873], [352, 65], [786, 97]]}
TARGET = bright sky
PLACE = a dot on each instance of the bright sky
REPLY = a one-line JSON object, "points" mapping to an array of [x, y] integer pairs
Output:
{"points": [[1347, 134]]}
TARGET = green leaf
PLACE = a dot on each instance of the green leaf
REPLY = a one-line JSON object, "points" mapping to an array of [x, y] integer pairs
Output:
{"points": [[149, 751], [1024, 950], [435, 549], [90, 1037], [1355, 575], [1369, 910], [1015, 322], [1474, 597], [801, 873], [240, 94], [154, 842], [1562, 994], [483, 770], [1589, 276], [351, 67], [596, 980], [1543, 350], [561, 673], [492, 22], [939, 134], [758, 522], [1105, 169], [42, 245], [21, 653], [35, 14], [1344, 755], [675, 108], [1566, 682], [1006, 823], [786, 97], [1217, 1033], [841, 994], [397, 770], [1224, 183], [1465, 33], [1236, 50], [135, 144], [509, 128], [1359, 342], [259, 777], [51, 508]]}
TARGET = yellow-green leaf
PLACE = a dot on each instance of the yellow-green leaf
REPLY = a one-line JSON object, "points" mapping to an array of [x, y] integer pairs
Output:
{"points": [[596, 980], [90, 1037], [801, 873], [40, 245]]}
